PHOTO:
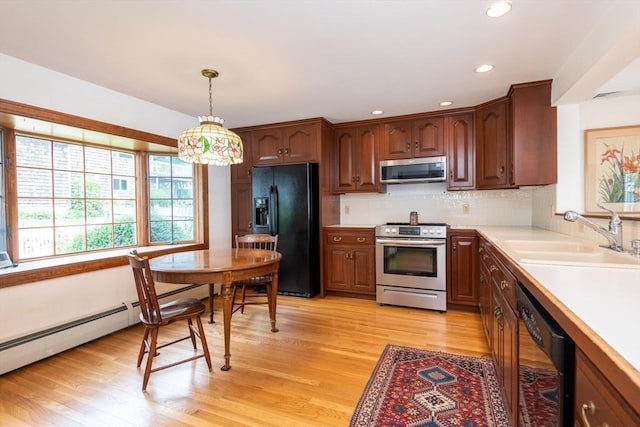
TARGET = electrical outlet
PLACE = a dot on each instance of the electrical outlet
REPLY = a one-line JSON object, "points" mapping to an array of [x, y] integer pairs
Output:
{"points": [[347, 209], [465, 208]]}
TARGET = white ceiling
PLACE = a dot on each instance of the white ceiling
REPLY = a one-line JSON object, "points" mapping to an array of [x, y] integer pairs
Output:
{"points": [[282, 60]]}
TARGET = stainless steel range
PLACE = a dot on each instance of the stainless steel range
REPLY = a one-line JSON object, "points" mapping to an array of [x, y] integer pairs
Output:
{"points": [[411, 265]]}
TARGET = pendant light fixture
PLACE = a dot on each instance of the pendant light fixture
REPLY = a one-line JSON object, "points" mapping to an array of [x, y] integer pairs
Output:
{"points": [[210, 143]]}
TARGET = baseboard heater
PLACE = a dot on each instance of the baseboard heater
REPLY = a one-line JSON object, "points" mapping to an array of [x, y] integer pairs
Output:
{"points": [[24, 350]]}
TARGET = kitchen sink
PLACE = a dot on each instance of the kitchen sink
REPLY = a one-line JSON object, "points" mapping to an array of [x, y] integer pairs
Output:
{"points": [[568, 253]]}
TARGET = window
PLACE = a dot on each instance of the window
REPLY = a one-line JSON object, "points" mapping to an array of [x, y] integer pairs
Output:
{"points": [[3, 217], [67, 200], [171, 209]]}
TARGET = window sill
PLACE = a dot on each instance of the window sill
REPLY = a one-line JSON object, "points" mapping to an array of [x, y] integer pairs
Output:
{"points": [[35, 271]]}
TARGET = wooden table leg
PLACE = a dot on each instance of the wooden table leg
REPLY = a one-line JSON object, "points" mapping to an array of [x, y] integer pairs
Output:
{"points": [[226, 314], [273, 300], [211, 303]]}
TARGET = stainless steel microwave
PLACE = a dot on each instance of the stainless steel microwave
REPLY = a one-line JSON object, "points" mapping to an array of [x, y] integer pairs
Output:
{"points": [[423, 169]]}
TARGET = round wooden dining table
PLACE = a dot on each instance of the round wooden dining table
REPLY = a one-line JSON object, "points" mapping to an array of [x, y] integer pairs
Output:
{"points": [[220, 266]]}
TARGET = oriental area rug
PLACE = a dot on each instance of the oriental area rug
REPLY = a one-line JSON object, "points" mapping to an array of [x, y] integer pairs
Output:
{"points": [[414, 387]]}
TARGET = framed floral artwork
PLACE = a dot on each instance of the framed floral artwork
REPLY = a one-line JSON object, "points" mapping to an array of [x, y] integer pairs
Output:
{"points": [[612, 170]]}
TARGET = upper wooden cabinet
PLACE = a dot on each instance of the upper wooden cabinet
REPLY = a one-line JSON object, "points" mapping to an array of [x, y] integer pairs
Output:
{"points": [[516, 138], [356, 159], [420, 137], [241, 173], [460, 151], [275, 145], [493, 150]]}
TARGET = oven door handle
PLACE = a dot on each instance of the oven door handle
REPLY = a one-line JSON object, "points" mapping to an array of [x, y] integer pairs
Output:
{"points": [[410, 242]]}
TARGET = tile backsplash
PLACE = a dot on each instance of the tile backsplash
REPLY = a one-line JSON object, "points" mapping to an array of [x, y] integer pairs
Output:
{"points": [[529, 206], [434, 204]]}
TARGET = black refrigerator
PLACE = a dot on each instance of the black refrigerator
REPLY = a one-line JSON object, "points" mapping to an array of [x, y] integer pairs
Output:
{"points": [[285, 202]]}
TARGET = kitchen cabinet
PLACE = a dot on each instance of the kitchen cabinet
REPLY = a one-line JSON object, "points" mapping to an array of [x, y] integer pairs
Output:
{"points": [[349, 260], [418, 137], [356, 159], [462, 274], [596, 402], [241, 209], [299, 143], [241, 173], [493, 152], [460, 151], [516, 138], [241, 190], [503, 334], [484, 289]]}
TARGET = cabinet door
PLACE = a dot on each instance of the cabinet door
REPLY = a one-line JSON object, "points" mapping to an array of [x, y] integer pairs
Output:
{"points": [[510, 362], [241, 173], [396, 142], [366, 159], [241, 209], [338, 268], [484, 294], [463, 256], [460, 151], [364, 279], [345, 149], [428, 137], [492, 165], [301, 144], [596, 401], [267, 147]]}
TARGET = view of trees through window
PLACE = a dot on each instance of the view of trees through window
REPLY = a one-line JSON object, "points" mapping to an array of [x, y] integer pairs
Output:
{"points": [[170, 200], [73, 198]]}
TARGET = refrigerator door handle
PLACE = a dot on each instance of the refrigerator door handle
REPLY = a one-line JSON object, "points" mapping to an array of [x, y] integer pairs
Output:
{"points": [[276, 211], [271, 209]]}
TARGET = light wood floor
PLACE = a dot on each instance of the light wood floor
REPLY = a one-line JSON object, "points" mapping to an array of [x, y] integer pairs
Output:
{"points": [[311, 373]]}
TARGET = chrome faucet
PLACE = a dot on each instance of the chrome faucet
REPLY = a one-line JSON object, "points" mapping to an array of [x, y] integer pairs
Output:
{"points": [[613, 234]]}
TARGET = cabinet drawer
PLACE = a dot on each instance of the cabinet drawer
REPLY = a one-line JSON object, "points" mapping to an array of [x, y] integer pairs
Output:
{"points": [[596, 400], [350, 238]]}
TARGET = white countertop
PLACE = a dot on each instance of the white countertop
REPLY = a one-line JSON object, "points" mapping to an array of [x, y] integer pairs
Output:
{"points": [[606, 299]]}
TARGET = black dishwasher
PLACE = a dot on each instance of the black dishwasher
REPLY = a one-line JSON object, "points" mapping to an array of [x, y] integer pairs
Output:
{"points": [[546, 366]]}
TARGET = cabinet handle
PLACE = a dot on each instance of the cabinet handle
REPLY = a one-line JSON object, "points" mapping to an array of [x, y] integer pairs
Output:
{"points": [[361, 239], [493, 268], [501, 170], [408, 146], [504, 284], [279, 151], [586, 410], [286, 151], [480, 250], [451, 174], [455, 246], [416, 145], [337, 239], [485, 256], [248, 172], [358, 178], [353, 179]]}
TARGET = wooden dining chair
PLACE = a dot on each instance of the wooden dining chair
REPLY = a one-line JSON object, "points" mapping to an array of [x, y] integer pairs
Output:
{"points": [[154, 315], [254, 241]]}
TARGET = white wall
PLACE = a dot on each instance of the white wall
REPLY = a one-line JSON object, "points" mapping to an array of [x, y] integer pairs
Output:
{"points": [[32, 307]]}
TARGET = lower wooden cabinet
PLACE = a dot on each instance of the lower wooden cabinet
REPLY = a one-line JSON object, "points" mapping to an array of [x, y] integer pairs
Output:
{"points": [[500, 319], [597, 403], [462, 273], [349, 260]]}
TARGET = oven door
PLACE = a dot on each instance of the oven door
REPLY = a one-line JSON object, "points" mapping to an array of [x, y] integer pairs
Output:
{"points": [[411, 263]]}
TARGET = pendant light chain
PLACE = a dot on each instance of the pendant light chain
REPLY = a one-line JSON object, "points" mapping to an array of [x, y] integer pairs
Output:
{"points": [[210, 99]]}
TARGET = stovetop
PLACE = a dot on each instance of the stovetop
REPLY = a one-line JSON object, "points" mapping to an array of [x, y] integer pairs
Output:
{"points": [[408, 231]]}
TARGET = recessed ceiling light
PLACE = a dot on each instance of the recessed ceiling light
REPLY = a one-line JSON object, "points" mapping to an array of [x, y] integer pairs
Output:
{"points": [[377, 112], [498, 9], [484, 68], [446, 103]]}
